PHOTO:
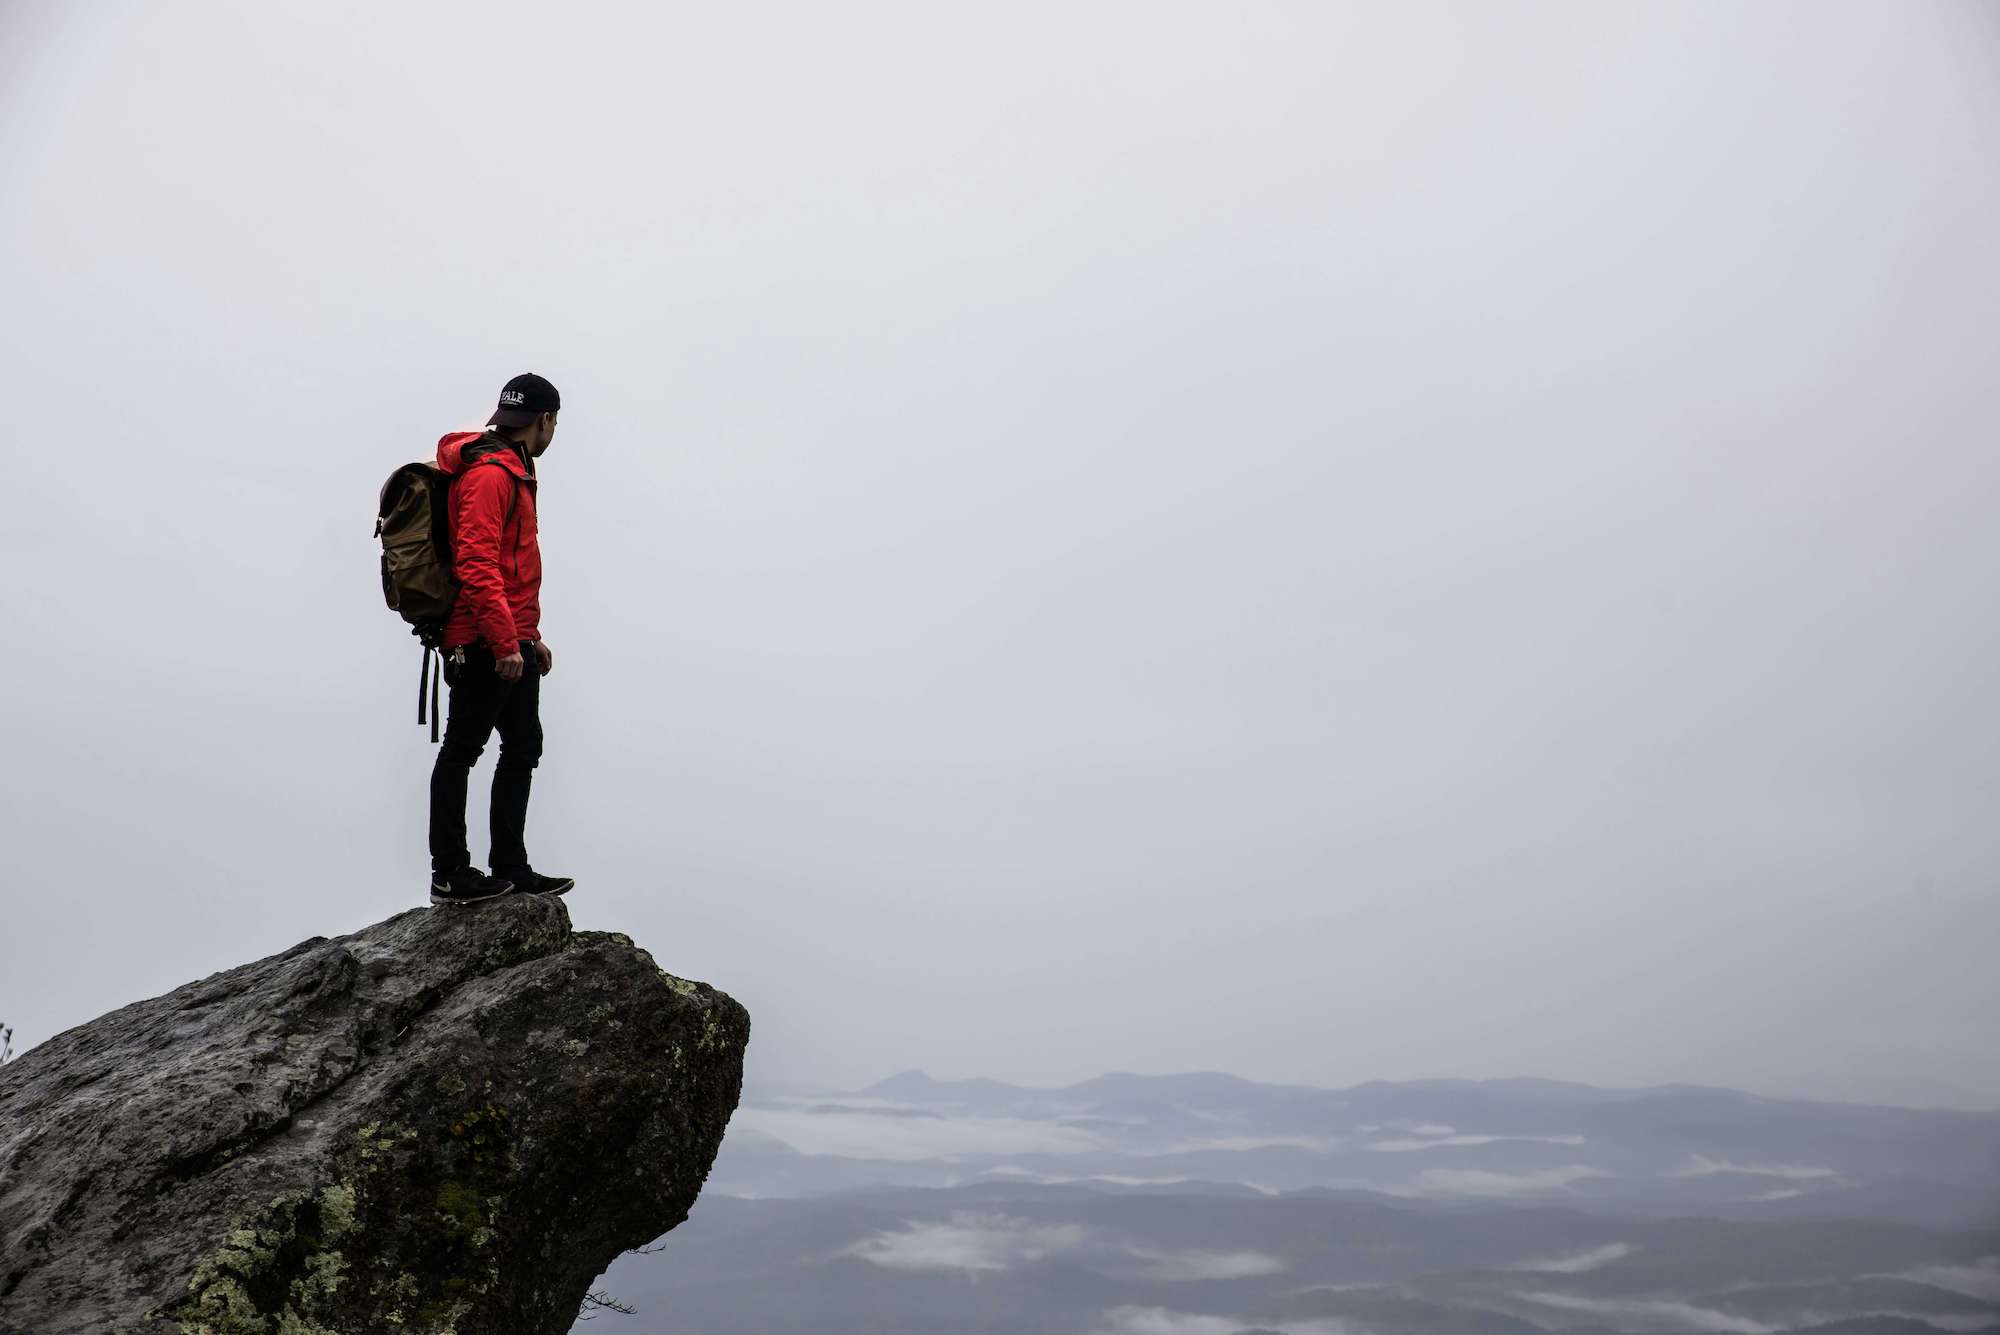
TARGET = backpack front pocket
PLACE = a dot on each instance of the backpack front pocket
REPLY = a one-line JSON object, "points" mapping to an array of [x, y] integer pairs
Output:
{"points": [[415, 582]]}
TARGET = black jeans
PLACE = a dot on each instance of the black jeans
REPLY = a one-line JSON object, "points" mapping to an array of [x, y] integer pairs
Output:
{"points": [[480, 703]]}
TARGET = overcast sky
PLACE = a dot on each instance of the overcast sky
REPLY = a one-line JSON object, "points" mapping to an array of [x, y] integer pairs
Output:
{"points": [[1320, 541]]}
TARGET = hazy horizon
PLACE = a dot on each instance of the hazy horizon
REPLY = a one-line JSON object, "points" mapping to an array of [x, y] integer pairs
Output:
{"points": [[1114, 1071], [774, 1088], [1326, 542]]}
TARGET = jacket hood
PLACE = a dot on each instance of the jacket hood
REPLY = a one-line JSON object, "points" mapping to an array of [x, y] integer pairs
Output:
{"points": [[453, 447]]}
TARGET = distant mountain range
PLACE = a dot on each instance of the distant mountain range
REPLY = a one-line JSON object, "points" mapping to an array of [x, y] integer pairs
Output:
{"points": [[1205, 1204], [1663, 1151]]}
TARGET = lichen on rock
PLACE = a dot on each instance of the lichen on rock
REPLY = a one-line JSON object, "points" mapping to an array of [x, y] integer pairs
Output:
{"points": [[290, 1258]]}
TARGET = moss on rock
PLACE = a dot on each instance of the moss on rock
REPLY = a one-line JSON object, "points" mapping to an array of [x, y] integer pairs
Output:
{"points": [[275, 1274]]}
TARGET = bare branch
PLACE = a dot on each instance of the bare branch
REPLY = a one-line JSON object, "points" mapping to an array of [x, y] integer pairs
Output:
{"points": [[597, 1302]]}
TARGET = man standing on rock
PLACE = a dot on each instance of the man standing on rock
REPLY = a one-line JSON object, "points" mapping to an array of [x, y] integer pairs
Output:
{"points": [[494, 658]]}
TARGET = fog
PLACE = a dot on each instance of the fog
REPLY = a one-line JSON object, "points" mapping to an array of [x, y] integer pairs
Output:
{"points": [[1327, 542]]}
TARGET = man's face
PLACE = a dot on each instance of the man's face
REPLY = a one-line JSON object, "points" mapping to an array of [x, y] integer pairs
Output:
{"points": [[541, 433]]}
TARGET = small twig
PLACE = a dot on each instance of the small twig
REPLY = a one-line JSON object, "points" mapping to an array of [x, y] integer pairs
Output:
{"points": [[597, 1302]]}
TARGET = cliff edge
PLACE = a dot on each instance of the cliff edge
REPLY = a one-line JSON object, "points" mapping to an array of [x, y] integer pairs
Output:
{"points": [[448, 1123]]}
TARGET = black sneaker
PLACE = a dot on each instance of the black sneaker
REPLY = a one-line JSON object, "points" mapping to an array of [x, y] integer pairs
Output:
{"points": [[466, 885], [528, 881]]}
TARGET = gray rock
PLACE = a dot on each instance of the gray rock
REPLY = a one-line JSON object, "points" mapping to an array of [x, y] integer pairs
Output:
{"points": [[449, 1122]]}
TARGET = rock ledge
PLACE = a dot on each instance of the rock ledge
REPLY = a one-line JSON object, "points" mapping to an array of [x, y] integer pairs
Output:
{"points": [[448, 1123]]}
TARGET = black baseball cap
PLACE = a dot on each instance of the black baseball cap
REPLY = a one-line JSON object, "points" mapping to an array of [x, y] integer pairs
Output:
{"points": [[523, 399]]}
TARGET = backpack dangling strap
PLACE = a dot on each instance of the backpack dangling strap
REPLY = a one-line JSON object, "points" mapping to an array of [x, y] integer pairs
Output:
{"points": [[427, 679]]}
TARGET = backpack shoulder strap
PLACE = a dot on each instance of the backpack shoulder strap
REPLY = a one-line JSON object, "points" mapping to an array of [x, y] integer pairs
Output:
{"points": [[513, 494]]}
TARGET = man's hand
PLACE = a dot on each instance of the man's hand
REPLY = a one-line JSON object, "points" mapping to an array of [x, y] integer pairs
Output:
{"points": [[509, 667], [543, 658]]}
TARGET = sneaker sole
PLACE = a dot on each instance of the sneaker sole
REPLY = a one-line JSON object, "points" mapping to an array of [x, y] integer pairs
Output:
{"points": [[437, 898], [562, 888]]}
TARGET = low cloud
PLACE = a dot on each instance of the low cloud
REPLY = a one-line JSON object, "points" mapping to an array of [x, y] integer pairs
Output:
{"points": [[1162, 1321], [1405, 1145], [866, 1134], [1967, 1322], [1235, 1116], [1018, 1173], [1237, 1144], [978, 1242], [1481, 1182], [1974, 1281], [968, 1241], [1703, 1166], [1656, 1312], [1576, 1263], [855, 1102], [1197, 1265]]}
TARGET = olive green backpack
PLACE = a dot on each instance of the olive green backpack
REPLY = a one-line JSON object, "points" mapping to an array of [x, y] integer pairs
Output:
{"points": [[413, 521]]}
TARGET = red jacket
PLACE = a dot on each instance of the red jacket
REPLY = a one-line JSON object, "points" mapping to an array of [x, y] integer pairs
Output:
{"points": [[491, 508]]}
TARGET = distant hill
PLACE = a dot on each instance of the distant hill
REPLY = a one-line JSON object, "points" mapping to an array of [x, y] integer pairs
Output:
{"points": [[1653, 1152], [1015, 1258], [1202, 1203]]}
